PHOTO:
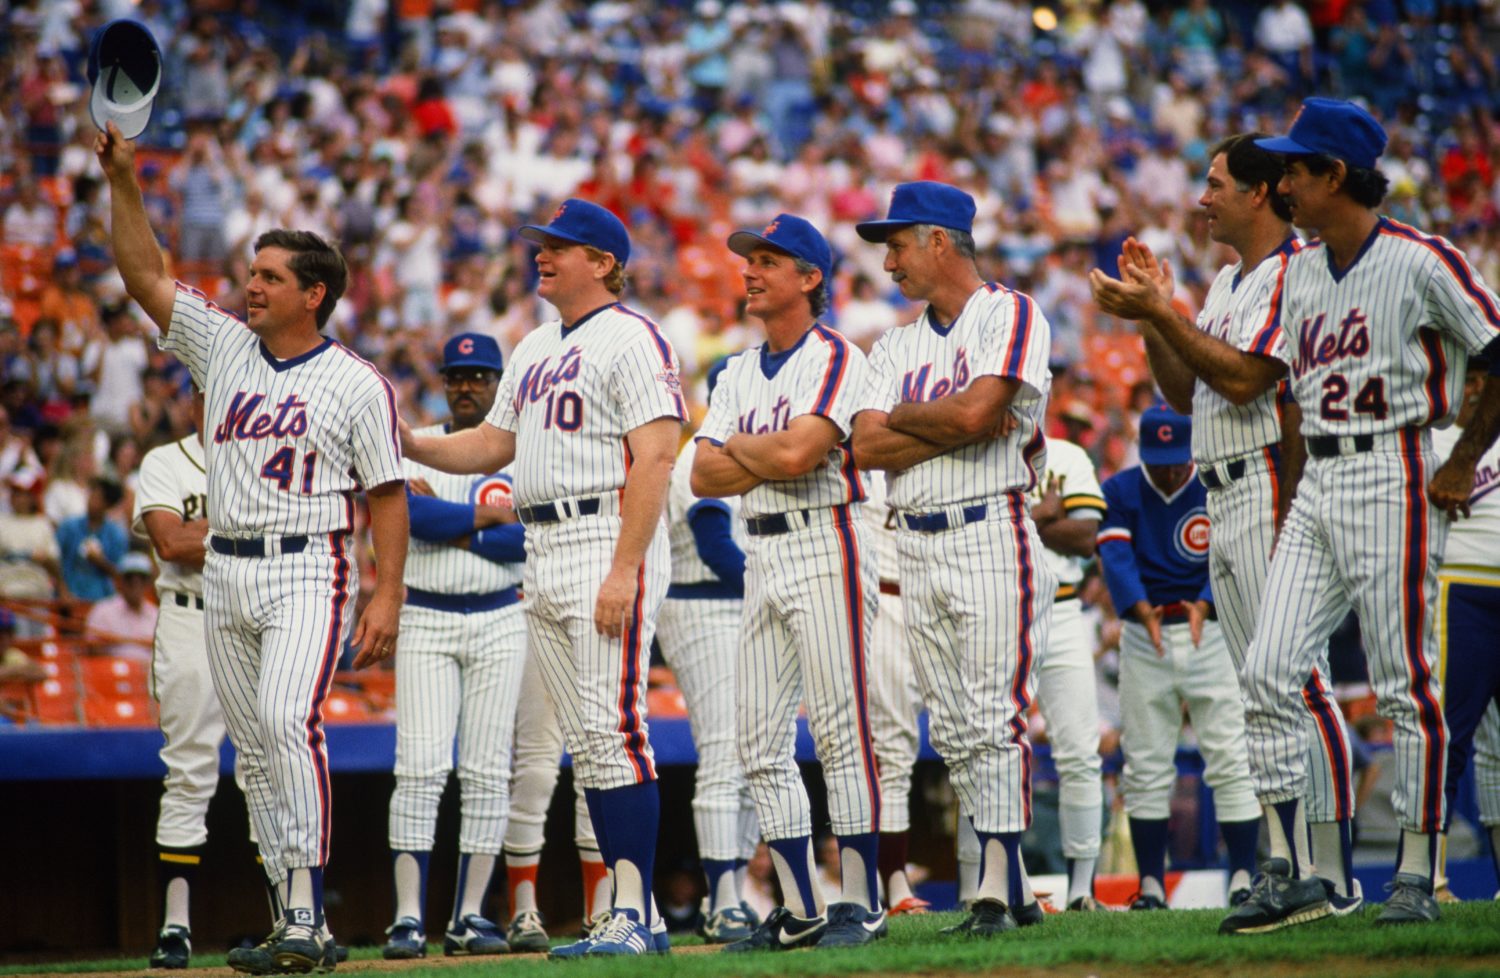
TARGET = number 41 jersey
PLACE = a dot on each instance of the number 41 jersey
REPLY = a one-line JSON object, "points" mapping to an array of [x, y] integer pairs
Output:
{"points": [[1383, 343], [288, 442]]}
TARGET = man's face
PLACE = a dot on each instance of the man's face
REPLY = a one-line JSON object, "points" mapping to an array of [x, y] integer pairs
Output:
{"points": [[133, 588], [1306, 193], [471, 393], [912, 265], [1229, 208], [1169, 478], [273, 299], [772, 283], [564, 269]]}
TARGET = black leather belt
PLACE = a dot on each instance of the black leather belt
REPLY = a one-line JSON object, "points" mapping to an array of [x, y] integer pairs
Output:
{"points": [[556, 512], [774, 524], [187, 600], [463, 604], [1328, 446], [938, 522], [255, 546], [1233, 472]]}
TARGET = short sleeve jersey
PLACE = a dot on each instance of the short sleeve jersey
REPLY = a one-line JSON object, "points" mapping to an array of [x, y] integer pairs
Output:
{"points": [[1383, 343], [445, 569], [1240, 310], [999, 333], [288, 442], [822, 374], [687, 566], [173, 479], [572, 393]]}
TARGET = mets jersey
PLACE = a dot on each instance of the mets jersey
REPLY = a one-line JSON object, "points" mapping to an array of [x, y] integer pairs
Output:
{"points": [[1071, 469], [173, 479], [761, 391], [1382, 344], [687, 566], [1241, 310], [572, 393], [881, 520], [1154, 547], [288, 442], [999, 333], [433, 565], [1475, 540]]}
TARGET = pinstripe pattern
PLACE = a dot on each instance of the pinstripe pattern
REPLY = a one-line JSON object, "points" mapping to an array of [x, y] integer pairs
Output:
{"points": [[977, 606], [538, 753], [1335, 551], [1487, 766], [999, 333], [804, 638]]}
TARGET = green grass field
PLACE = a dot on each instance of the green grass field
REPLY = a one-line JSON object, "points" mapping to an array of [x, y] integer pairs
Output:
{"points": [[1465, 943]]}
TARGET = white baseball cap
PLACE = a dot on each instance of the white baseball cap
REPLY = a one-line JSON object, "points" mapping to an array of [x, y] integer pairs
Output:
{"points": [[125, 70]]}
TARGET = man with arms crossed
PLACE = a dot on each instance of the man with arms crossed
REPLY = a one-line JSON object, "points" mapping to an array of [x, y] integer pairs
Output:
{"points": [[590, 411], [296, 424]]}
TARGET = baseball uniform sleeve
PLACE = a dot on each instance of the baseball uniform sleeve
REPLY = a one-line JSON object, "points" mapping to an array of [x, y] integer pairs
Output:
{"points": [[714, 541], [505, 544], [1117, 552], [1016, 342], [1260, 325], [1457, 299], [723, 412], [195, 323], [834, 385], [885, 391], [375, 440], [1082, 497], [155, 488], [437, 520], [645, 383]]}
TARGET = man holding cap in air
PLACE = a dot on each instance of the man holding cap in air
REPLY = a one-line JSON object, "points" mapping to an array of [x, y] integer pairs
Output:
{"points": [[956, 421], [777, 434], [591, 411], [1377, 321]]}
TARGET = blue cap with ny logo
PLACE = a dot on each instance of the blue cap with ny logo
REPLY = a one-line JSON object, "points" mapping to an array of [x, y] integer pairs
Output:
{"points": [[1331, 127], [922, 202], [586, 223], [793, 235]]}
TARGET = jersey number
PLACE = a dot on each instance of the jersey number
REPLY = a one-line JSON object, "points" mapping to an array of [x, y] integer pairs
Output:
{"points": [[566, 409], [278, 469], [1370, 399]]}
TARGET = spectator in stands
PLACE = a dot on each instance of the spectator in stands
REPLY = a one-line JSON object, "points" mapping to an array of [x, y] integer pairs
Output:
{"points": [[28, 547], [18, 459], [127, 615], [92, 545], [204, 183], [30, 220], [68, 478], [123, 359], [68, 304], [1284, 31]]}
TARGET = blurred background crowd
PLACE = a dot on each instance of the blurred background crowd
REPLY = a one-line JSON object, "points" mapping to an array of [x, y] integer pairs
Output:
{"points": [[421, 133]]}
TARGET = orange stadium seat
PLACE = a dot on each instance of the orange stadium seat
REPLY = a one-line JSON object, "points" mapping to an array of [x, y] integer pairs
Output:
{"points": [[111, 676], [126, 711], [665, 701], [345, 707], [56, 702]]}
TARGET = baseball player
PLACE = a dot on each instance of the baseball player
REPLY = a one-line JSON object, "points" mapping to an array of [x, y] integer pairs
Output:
{"points": [[295, 425], [591, 411], [171, 502], [956, 422], [1469, 605], [895, 702], [777, 434], [699, 632], [458, 668], [1221, 371], [1154, 546], [1376, 322]]}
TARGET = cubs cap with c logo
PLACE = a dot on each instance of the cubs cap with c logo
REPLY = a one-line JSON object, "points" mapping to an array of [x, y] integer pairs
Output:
{"points": [[124, 68], [1166, 436], [472, 350]]}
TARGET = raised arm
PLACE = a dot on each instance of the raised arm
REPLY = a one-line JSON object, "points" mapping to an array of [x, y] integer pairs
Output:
{"points": [[473, 451], [136, 251]]}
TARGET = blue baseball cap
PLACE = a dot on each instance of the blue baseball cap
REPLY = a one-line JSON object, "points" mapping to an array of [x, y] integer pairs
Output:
{"points": [[1335, 128], [793, 235], [124, 68], [585, 223], [922, 202], [472, 350], [1166, 436]]}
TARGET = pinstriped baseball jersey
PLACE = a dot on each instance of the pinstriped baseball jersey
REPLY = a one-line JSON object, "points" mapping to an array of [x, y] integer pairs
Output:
{"points": [[1382, 344], [761, 391], [1082, 498], [1472, 542], [436, 566], [172, 479], [288, 441], [571, 394], [687, 566], [1000, 333], [881, 520], [1240, 310]]}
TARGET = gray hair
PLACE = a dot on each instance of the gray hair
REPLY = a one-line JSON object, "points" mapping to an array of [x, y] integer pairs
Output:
{"points": [[817, 298], [963, 241]]}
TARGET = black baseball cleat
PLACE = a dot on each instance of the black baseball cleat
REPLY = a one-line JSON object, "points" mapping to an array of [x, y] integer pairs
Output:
{"points": [[174, 947], [852, 925], [1030, 914], [474, 935], [255, 960], [302, 949], [1410, 902], [1276, 901], [781, 931], [1148, 901], [987, 918], [405, 940]]}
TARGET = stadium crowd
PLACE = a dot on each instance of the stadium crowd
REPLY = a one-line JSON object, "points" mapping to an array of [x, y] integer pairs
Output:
{"points": [[421, 133]]}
